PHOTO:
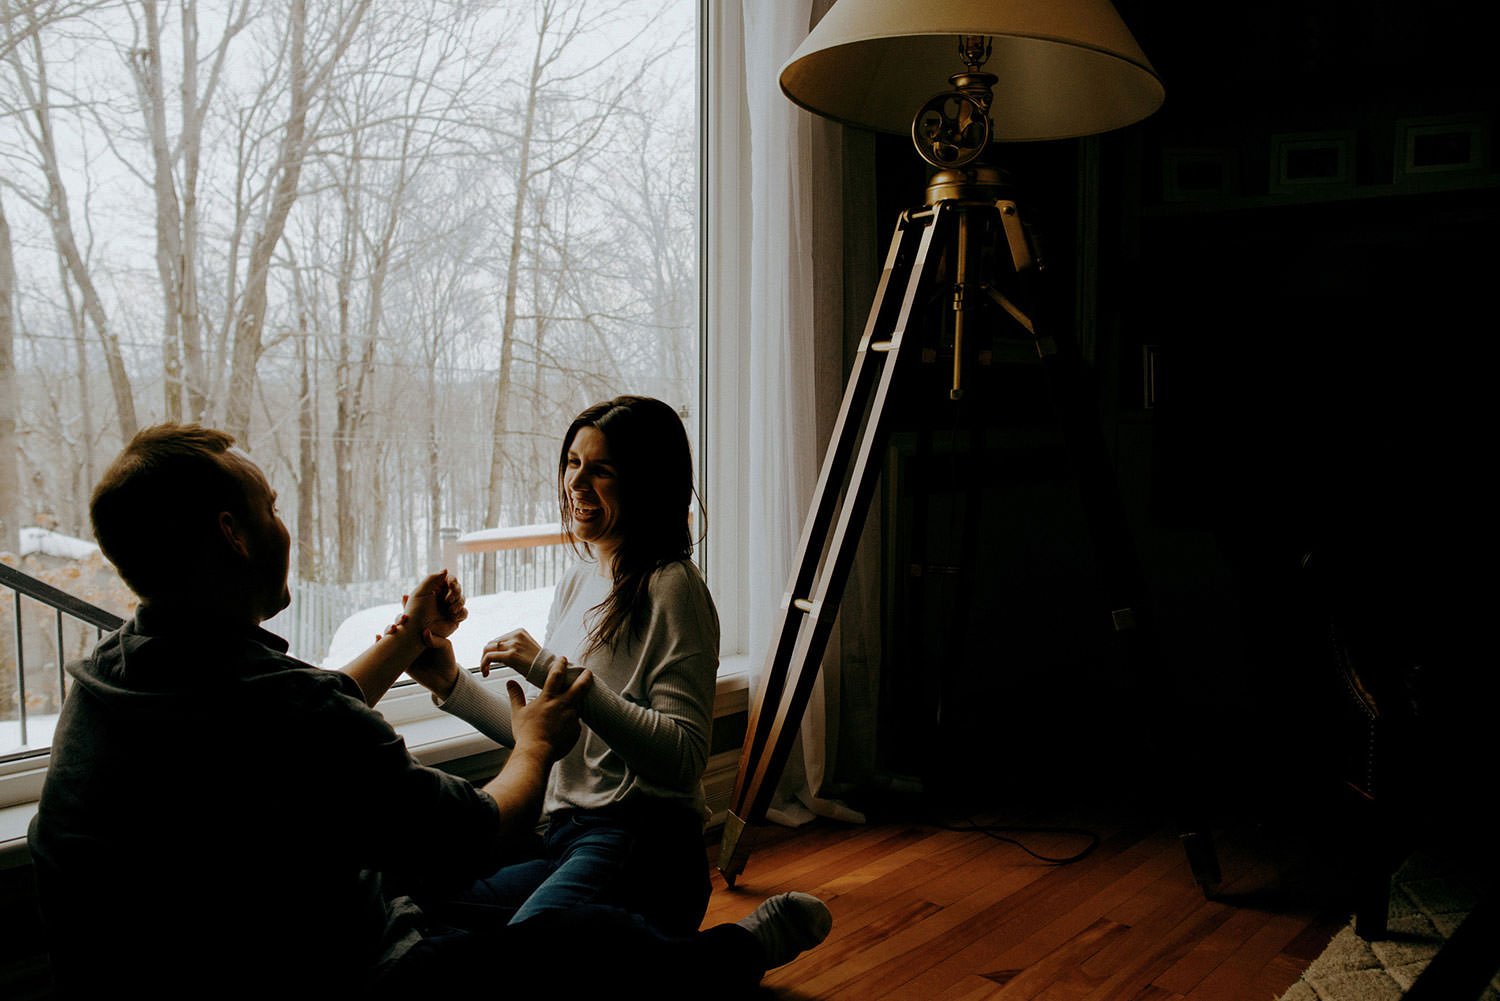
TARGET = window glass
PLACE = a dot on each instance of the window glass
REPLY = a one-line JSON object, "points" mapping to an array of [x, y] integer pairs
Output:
{"points": [[392, 247]]}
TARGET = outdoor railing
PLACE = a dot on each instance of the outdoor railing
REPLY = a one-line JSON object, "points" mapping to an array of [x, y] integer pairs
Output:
{"points": [[317, 610], [24, 586], [526, 556]]}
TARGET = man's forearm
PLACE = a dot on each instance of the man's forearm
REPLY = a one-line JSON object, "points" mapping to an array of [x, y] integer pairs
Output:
{"points": [[378, 667], [518, 789]]}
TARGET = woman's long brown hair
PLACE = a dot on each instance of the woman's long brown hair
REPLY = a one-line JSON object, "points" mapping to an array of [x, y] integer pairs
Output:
{"points": [[648, 447]]}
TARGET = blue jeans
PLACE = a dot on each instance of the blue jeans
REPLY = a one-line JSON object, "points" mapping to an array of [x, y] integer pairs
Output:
{"points": [[649, 861]]}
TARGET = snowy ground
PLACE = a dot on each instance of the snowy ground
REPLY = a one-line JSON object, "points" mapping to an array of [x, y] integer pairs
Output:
{"points": [[39, 729], [490, 615], [41, 540]]}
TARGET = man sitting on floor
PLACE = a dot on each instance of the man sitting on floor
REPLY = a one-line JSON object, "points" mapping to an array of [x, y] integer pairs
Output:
{"points": [[221, 819]]}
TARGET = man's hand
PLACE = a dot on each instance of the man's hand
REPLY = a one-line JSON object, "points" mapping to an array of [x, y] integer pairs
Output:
{"points": [[550, 722], [544, 731], [436, 607], [435, 667]]}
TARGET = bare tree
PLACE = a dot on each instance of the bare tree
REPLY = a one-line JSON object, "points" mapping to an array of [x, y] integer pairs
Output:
{"points": [[176, 200], [85, 440], [443, 307], [564, 106], [307, 437], [397, 115], [656, 206], [306, 216], [307, 82], [10, 472], [23, 34], [31, 18]]}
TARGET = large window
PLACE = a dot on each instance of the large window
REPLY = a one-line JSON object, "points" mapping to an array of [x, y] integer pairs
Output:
{"points": [[393, 247]]}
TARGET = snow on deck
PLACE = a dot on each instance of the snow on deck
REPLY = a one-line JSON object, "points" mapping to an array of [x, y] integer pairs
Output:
{"points": [[490, 615]]}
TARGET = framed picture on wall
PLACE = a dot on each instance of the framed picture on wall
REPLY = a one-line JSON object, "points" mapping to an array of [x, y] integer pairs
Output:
{"points": [[1199, 173], [1449, 144], [1312, 161]]}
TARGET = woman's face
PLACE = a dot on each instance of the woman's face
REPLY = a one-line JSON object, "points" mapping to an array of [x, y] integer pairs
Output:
{"points": [[592, 486]]}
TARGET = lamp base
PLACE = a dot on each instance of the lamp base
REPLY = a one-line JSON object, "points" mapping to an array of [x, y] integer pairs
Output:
{"points": [[972, 183]]}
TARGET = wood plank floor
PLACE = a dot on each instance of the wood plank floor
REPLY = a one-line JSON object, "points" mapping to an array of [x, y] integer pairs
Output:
{"points": [[924, 913]]}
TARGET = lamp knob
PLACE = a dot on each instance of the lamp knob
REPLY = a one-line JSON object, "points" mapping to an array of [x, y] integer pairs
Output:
{"points": [[950, 130]]}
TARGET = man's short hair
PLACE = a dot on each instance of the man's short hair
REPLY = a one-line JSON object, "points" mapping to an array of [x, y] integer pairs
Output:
{"points": [[154, 511]]}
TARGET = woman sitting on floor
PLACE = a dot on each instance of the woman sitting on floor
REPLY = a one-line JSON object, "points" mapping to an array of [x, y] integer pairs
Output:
{"points": [[625, 806]]}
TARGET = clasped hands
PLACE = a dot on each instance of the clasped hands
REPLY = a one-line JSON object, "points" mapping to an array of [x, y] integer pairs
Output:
{"points": [[435, 609]]}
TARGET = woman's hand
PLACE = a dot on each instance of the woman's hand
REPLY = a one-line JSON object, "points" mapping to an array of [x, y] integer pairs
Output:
{"points": [[516, 649], [435, 667], [435, 607]]}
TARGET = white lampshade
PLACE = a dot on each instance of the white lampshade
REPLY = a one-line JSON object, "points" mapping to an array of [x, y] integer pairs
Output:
{"points": [[1065, 67]]}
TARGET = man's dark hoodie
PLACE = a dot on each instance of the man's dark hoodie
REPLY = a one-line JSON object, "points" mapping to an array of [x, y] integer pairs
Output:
{"points": [[216, 817]]}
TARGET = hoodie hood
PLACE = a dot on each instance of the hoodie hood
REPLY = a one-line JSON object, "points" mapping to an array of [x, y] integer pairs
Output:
{"points": [[150, 665]]}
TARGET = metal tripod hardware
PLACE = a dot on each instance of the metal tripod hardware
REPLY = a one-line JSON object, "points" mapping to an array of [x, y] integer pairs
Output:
{"points": [[845, 486]]}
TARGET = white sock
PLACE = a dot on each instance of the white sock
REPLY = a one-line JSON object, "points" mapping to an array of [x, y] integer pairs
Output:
{"points": [[787, 925]]}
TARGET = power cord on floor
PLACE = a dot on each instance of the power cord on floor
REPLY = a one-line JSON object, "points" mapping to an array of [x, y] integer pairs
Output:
{"points": [[992, 830]]}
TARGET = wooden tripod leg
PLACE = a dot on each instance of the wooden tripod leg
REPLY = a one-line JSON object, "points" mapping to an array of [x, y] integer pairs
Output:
{"points": [[817, 582]]}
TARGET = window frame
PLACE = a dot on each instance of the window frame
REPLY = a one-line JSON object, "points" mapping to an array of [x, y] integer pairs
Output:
{"points": [[434, 737], [724, 351]]}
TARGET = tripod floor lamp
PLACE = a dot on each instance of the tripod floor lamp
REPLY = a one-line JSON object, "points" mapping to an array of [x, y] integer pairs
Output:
{"points": [[960, 76]]}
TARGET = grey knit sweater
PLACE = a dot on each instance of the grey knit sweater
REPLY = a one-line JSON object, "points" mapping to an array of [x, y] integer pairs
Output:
{"points": [[647, 716]]}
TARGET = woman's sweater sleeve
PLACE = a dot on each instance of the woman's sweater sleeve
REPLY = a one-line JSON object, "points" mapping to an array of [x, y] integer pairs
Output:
{"points": [[480, 707], [667, 741], [661, 729]]}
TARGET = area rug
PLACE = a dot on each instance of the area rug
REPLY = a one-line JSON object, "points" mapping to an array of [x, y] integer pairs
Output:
{"points": [[1427, 903]]}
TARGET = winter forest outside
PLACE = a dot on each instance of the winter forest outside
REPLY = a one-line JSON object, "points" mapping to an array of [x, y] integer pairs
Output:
{"points": [[393, 247]]}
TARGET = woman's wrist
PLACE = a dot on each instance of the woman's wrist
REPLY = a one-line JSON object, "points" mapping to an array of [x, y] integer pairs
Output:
{"points": [[536, 672], [442, 692]]}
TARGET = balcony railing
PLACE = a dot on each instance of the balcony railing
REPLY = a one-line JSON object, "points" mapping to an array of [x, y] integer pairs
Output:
{"points": [[31, 691], [526, 556], [47, 684]]}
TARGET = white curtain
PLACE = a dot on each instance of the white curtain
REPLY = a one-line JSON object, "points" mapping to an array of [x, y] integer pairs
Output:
{"points": [[796, 351]]}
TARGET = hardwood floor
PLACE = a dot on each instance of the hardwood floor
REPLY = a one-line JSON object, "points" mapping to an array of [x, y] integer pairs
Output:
{"points": [[923, 913]]}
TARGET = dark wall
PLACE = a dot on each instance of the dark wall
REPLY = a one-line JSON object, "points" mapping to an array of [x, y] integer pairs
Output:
{"points": [[1325, 347], [1321, 333]]}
